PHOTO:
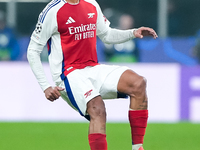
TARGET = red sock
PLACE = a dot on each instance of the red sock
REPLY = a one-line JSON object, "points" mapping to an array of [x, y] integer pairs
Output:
{"points": [[138, 123], [97, 141]]}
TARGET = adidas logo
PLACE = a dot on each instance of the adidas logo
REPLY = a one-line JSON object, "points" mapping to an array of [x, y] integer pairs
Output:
{"points": [[70, 20], [88, 93]]}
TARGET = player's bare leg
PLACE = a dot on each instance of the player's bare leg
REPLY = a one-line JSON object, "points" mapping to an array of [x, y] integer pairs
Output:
{"points": [[135, 86], [97, 129]]}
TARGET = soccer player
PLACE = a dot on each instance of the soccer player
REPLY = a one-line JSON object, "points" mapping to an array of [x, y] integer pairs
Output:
{"points": [[69, 27]]}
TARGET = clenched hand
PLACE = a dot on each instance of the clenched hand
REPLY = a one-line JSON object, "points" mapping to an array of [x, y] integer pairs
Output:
{"points": [[52, 93]]}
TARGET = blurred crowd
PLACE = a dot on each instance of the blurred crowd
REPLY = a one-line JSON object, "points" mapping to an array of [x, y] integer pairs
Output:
{"points": [[124, 52], [9, 47], [196, 48]]}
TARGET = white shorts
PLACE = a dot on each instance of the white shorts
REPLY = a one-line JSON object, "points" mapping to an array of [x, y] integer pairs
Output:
{"points": [[82, 85]]}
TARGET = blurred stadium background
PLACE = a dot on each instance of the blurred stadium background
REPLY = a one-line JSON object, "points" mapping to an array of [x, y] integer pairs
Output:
{"points": [[171, 65]]}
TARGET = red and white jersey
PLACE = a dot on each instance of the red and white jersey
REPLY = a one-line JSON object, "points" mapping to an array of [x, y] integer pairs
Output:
{"points": [[70, 31]]}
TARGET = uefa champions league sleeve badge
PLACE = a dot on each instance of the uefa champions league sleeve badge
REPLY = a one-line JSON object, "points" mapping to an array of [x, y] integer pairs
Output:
{"points": [[38, 28]]}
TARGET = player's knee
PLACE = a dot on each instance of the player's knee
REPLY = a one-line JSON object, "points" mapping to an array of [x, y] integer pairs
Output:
{"points": [[139, 86], [97, 111]]}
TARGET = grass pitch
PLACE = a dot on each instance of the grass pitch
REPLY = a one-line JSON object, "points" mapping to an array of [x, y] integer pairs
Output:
{"points": [[73, 136]]}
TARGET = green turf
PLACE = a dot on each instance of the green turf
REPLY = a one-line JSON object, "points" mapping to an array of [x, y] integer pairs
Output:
{"points": [[73, 136], [181, 136]]}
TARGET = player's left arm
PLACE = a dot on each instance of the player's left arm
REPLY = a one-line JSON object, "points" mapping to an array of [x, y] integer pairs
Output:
{"points": [[116, 36]]}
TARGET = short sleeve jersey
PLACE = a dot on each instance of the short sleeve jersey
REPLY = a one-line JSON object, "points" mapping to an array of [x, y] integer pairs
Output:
{"points": [[70, 30]]}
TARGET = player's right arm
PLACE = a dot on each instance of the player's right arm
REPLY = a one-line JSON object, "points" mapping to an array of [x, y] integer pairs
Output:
{"points": [[45, 28], [33, 55]]}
